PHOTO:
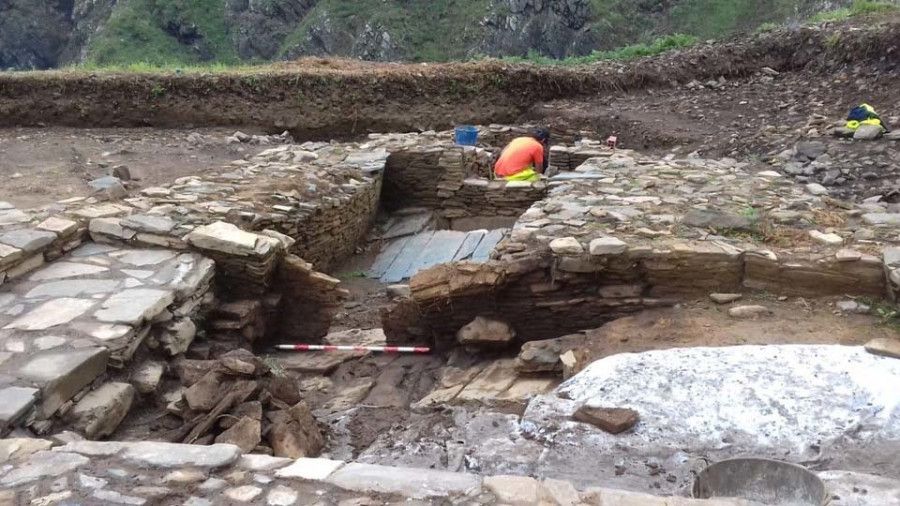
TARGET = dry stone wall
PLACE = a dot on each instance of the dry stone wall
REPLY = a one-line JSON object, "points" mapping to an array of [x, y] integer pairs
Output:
{"points": [[625, 232]]}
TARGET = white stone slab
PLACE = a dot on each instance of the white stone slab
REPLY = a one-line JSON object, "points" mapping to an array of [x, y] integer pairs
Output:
{"points": [[143, 257], [73, 288], [61, 270], [310, 469], [134, 306], [52, 313]]}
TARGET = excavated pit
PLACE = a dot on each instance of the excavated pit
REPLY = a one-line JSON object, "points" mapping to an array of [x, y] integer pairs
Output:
{"points": [[462, 408]]}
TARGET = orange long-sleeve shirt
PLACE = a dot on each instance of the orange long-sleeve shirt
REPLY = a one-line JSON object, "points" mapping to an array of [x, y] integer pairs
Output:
{"points": [[518, 155]]}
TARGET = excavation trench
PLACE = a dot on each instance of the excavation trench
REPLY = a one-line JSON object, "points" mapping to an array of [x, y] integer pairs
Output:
{"points": [[406, 240]]}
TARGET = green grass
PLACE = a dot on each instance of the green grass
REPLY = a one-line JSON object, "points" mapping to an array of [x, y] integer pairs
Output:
{"points": [[141, 31], [858, 8], [660, 45]]}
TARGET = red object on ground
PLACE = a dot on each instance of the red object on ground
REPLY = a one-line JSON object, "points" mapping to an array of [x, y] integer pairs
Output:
{"points": [[332, 347], [611, 142]]}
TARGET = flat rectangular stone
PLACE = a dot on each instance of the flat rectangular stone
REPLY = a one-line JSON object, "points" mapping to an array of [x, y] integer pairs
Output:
{"points": [[60, 226], [169, 455], [134, 306], [51, 313], [411, 483], [110, 227], [62, 374], [25, 266], [884, 347], [12, 217], [60, 270], [73, 288], [27, 239], [102, 211], [14, 402], [878, 219], [225, 238], [9, 255], [149, 223], [310, 469]]}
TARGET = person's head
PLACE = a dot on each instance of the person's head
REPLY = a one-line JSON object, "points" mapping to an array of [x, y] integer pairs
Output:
{"points": [[542, 135]]}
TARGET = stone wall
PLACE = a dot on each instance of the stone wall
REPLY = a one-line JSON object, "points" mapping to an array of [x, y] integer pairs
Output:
{"points": [[451, 180]]}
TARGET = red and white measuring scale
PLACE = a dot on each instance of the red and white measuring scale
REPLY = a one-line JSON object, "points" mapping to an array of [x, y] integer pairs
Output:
{"points": [[331, 347]]}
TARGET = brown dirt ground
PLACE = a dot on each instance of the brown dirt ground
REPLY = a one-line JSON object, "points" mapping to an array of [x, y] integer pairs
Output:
{"points": [[703, 323], [43, 165]]}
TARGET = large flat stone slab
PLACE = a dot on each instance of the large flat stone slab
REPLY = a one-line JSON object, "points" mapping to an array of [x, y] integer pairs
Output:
{"points": [[225, 238], [14, 402], [101, 411], [61, 374], [52, 313], [143, 257], [73, 288], [43, 465], [166, 455], [412, 483], [60, 270], [27, 239], [769, 401], [134, 306]]}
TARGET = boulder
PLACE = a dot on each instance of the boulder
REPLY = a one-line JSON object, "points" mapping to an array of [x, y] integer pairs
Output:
{"points": [[486, 332], [612, 420], [810, 149]]}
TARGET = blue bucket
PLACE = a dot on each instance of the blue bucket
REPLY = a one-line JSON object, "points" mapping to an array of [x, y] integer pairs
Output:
{"points": [[466, 135]]}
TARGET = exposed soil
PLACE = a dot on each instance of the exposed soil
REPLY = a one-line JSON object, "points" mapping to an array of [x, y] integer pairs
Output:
{"points": [[704, 323], [43, 165]]}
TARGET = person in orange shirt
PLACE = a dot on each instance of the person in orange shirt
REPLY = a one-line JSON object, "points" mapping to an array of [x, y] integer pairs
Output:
{"points": [[524, 158]]}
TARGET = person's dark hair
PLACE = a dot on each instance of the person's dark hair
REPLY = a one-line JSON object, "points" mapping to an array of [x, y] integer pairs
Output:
{"points": [[541, 134]]}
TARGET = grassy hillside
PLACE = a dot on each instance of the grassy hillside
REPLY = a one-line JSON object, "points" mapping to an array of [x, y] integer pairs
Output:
{"points": [[185, 32]]}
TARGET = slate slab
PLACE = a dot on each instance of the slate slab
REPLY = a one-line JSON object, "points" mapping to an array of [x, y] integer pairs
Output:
{"points": [[134, 306], [61, 374], [27, 239]]}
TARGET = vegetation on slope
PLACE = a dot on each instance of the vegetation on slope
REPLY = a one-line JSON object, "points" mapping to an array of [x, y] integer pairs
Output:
{"points": [[184, 33]]}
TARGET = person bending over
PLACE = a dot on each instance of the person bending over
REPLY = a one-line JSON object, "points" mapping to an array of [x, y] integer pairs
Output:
{"points": [[524, 158]]}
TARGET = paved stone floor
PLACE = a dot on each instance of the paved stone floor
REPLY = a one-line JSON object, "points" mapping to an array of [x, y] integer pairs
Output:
{"points": [[63, 324]]}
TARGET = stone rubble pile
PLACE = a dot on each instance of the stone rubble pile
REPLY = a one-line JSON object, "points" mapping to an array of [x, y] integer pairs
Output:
{"points": [[238, 399]]}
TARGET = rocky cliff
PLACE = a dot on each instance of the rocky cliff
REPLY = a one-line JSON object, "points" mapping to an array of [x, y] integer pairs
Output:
{"points": [[50, 33]]}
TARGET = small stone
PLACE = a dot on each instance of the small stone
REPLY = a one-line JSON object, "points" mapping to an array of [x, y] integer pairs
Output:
{"points": [[879, 219], [724, 298], [185, 476], [399, 291], [748, 311], [885, 347], [566, 246], [816, 189], [281, 496], [868, 132], [827, 239], [146, 377], [197, 501], [111, 227], [104, 182], [847, 255], [91, 482], [486, 332], [719, 220], [243, 494], [612, 420], [810, 150], [607, 246], [122, 172]]}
